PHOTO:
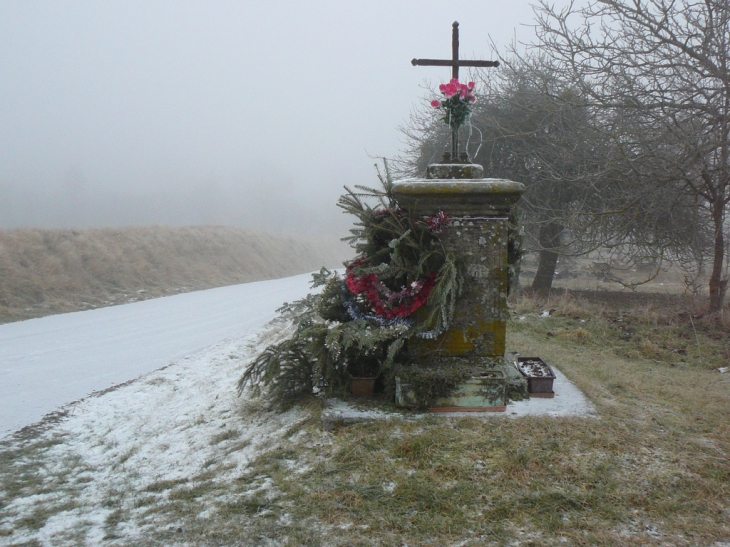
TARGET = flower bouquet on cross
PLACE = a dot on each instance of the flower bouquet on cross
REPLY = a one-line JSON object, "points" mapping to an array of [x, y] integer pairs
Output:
{"points": [[457, 101], [456, 108]]}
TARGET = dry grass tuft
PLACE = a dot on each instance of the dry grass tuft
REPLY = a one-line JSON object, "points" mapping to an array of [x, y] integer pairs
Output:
{"points": [[52, 271]]}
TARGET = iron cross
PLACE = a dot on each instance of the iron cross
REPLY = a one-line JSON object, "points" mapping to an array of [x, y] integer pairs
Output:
{"points": [[454, 63]]}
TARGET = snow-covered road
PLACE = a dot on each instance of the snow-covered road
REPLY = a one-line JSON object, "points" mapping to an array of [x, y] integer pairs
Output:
{"points": [[48, 362]]}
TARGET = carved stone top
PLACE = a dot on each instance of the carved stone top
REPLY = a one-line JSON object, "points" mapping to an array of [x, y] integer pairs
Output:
{"points": [[459, 171], [489, 197]]}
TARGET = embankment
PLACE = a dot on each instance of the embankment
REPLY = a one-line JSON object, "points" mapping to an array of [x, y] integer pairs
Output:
{"points": [[54, 271]]}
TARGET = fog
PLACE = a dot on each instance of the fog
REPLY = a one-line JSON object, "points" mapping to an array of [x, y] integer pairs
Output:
{"points": [[245, 113]]}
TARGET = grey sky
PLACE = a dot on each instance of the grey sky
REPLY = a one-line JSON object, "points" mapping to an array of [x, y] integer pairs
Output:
{"points": [[181, 112]]}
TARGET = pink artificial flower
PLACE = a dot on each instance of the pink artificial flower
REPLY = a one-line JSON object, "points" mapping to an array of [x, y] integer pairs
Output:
{"points": [[462, 94], [454, 81], [471, 85], [472, 99], [442, 87], [435, 103]]}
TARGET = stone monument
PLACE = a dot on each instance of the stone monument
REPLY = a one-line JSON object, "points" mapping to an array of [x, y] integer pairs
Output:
{"points": [[479, 231]]}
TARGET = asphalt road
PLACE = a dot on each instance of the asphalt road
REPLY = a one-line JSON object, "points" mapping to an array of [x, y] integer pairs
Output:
{"points": [[48, 362]]}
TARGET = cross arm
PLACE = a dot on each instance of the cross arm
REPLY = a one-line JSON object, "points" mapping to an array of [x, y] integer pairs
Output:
{"points": [[449, 62]]}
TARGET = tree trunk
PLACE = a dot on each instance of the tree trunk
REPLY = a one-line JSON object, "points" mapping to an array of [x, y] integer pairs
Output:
{"points": [[718, 285], [548, 237]]}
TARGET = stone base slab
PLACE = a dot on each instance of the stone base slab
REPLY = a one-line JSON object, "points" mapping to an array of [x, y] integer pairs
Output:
{"points": [[469, 409], [568, 401], [490, 389], [478, 392]]}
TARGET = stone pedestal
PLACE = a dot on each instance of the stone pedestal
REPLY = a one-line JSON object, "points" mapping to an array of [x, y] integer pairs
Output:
{"points": [[479, 230], [479, 210]]}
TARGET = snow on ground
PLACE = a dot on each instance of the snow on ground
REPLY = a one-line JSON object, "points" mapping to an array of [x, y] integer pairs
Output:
{"points": [[52, 361], [167, 427], [568, 401]]}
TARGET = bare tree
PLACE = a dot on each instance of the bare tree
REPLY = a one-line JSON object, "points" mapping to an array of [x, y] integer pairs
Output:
{"points": [[536, 130], [582, 195], [659, 69]]}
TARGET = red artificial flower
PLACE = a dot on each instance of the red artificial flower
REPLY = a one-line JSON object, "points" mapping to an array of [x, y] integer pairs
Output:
{"points": [[438, 221]]}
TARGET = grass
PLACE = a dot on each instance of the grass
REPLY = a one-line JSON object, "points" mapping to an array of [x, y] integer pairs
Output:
{"points": [[53, 271], [38, 518], [23, 474], [652, 470], [226, 435], [19, 471]]}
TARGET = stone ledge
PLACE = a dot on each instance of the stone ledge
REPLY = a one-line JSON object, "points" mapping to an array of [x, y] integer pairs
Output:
{"points": [[458, 186], [488, 197]]}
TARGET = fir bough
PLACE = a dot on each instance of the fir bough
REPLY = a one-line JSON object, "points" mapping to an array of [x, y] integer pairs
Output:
{"points": [[359, 325]]}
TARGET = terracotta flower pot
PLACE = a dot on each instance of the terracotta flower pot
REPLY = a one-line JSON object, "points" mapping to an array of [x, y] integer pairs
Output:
{"points": [[362, 386]]}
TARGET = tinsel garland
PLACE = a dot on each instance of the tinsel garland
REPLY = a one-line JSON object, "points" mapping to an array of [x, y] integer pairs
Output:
{"points": [[354, 312], [382, 300]]}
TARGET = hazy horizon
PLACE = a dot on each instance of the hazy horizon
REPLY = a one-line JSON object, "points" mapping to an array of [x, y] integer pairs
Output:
{"points": [[239, 113]]}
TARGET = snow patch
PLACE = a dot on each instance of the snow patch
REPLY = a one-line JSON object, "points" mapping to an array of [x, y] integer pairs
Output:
{"points": [[172, 424]]}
